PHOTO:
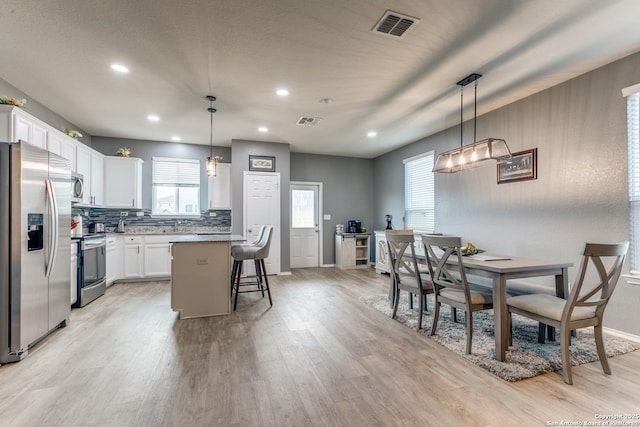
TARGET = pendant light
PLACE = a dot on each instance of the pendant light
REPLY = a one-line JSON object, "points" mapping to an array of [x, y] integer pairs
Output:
{"points": [[479, 153], [211, 160]]}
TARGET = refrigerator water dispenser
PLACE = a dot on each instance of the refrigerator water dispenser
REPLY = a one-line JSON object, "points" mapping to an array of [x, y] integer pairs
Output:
{"points": [[35, 232]]}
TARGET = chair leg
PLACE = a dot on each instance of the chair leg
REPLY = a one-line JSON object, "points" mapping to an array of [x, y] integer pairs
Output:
{"points": [[410, 301], [436, 313], [454, 314], [266, 281], [259, 276], [233, 274], [542, 328], [602, 355], [420, 308], [238, 274], [469, 320], [396, 302], [510, 328], [565, 355]]}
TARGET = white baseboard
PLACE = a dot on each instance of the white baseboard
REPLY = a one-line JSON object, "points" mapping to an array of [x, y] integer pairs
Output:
{"points": [[284, 273], [620, 334], [327, 265]]}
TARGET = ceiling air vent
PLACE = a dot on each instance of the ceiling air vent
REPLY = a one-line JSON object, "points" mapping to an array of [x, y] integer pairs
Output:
{"points": [[394, 24], [308, 121]]}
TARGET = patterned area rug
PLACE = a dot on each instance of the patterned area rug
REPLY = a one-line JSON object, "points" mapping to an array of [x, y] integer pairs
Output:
{"points": [[525, 359]]}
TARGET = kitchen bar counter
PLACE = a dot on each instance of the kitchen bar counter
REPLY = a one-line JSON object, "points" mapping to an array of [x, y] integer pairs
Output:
{"points": [[200, 274]]}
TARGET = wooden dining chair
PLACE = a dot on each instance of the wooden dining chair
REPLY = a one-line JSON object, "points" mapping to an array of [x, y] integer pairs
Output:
{"points": [[451, 286], [586, 303], [405, 273]]}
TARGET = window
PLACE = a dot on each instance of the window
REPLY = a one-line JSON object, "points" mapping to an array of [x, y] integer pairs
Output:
{"points": [[633, 141], [176, 186], [419, 193]]}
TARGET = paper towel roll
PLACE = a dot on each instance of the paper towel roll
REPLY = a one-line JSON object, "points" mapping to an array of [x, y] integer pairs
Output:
{"points": [[76, 226]]}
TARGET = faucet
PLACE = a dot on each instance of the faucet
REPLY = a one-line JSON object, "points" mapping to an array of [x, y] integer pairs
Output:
{"points": [[175, 225]]}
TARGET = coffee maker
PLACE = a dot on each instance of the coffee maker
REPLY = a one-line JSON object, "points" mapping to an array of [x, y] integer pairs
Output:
{"points": [[354, 226]]}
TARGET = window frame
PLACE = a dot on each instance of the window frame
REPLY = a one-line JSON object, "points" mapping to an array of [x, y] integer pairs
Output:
{"points": [[177, 185], [425, 159], [632, 94]]}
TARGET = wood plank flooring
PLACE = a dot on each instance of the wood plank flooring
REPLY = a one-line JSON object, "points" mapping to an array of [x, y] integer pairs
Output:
{"points": [[319, 357]]}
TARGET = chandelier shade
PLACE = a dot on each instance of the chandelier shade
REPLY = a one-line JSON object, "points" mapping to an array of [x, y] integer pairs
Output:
{"points": [[211, 160], [479, 153]]}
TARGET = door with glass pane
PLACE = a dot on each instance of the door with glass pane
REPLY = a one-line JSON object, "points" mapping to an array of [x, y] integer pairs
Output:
{"points": [[305, 238]]}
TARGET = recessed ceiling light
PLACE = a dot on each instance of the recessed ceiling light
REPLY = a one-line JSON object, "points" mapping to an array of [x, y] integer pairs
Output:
{"points": [[153, 118], [175, 138], [119, 68], [282, 92], [263, 129], [371, 134]]}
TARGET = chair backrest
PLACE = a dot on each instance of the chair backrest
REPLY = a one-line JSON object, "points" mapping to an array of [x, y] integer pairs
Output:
{"points": [[438, 250], [607, 259], [260, 235], [264, 243], [400, 245]]}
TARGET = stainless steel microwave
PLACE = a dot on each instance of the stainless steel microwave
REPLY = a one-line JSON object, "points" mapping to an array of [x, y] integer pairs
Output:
{"points": [[77, 187]]}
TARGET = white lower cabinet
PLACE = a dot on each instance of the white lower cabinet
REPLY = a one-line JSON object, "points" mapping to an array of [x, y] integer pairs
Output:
{"points": [[132, 265], [114, 259], [142, 257], [157, 256], [382, 253], [74, 272]]}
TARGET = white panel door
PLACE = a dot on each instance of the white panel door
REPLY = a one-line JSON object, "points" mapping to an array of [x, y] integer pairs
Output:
{"points": [[305, 241], [262, 207]]}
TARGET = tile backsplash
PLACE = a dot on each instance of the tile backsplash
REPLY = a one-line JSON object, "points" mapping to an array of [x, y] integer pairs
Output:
{"points": [[145, 224]]}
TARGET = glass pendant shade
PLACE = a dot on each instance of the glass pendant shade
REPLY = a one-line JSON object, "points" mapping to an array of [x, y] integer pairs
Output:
{"points": [[481, 153], [211, 166]]}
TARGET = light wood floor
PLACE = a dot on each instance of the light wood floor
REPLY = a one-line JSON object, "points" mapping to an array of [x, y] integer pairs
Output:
{"points": [[319, 357]]}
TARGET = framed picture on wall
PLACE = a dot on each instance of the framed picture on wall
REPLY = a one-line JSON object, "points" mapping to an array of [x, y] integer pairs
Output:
{"points": [[521, 166], [262, 163]]}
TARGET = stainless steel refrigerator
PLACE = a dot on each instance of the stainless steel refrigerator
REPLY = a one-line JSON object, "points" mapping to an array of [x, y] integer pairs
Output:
{"points": [[35, 216]]}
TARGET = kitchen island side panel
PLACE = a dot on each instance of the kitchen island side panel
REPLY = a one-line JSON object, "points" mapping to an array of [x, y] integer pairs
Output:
{"points": [[200, 278]]}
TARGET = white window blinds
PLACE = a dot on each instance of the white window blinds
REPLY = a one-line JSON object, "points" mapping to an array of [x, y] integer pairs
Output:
{"points": [[419, 193], [633, 144], [176, 171]]}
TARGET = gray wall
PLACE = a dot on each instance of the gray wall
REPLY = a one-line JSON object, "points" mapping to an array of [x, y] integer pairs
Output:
{"points": [[241, 150], [147, 149], [348, 193], [38, 110], [579, 128]]}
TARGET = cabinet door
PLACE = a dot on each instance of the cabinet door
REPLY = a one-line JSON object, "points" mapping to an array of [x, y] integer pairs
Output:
{"points": [[123, 182], [157, 260], [68, 151], [132, 261], [97, 178], [39, 136], [74, 273], [114, 260], [220, 187], [83, 167], [54, 143], [22, 128]]}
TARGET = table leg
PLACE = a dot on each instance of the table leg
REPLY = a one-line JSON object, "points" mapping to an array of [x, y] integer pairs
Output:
{"points": [[500, 316], [392, 290]]}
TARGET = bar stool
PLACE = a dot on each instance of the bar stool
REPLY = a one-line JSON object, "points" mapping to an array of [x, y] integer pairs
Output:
{"points": [[259, 237], [256, 252]]}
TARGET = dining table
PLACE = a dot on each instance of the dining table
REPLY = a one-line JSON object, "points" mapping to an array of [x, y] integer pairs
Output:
{"points": [[499, 269]]}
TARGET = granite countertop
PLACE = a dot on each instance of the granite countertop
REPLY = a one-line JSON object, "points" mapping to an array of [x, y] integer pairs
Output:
{"points": [[208, 238]]}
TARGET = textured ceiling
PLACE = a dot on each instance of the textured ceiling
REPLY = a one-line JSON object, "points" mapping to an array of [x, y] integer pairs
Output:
{"points": [[59, 52]]}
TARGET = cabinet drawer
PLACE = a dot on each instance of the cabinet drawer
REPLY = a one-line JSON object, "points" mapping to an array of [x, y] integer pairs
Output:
{"points": [[158, 239], [133, 240]]}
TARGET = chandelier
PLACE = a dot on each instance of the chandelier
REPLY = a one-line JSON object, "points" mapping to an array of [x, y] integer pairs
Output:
{"points": [[211, 160], [479, 153]]}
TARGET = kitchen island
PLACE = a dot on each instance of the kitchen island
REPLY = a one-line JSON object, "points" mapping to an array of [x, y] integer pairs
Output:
{"points": [[200, 274]]}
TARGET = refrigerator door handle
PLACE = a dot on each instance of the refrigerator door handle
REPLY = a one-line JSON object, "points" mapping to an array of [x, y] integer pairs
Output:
{"points": [[53, 229]]}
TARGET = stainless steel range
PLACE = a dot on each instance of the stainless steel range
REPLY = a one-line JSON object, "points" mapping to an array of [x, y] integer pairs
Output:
{"points": [[92, 268]]}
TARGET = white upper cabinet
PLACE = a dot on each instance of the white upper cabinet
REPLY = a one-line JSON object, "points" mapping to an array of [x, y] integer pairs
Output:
{"points": [[123, 182], [83, 167], [220, 187], [20, 125], [97, 178]]}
